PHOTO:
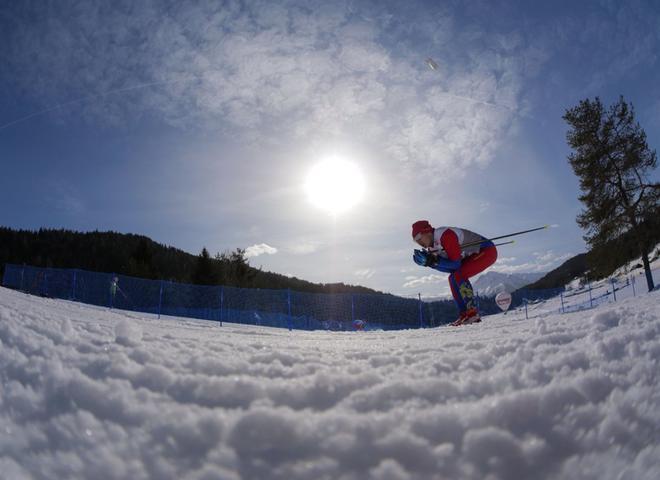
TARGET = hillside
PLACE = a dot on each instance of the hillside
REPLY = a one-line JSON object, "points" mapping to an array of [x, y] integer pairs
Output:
{"points": [[563, 274], [140, 256], [601, 261]]}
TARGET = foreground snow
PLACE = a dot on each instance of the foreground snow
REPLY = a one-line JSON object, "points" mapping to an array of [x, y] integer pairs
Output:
{"points": [[90, 393]]}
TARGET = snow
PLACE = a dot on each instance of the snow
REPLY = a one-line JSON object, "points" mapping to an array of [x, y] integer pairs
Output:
{"points": [[128, 333], [87, 392], [628, 282]]}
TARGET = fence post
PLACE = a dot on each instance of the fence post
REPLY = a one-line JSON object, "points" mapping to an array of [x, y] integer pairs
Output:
{"points": [[421, 314], [632, 282], [526, 314], [352, 309], [22, 276], [288, 301], [613, 288], [112, 276], [222, 302], [160, 298], [561, 295], [73, 288], [591, 300]]}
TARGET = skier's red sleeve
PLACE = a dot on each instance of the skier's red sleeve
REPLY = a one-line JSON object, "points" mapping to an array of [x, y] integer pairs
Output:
{"points": [[449, 242]]}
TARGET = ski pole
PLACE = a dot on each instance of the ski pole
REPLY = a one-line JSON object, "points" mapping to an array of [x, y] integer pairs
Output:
{"points": [[471, 244], [504, 243]]}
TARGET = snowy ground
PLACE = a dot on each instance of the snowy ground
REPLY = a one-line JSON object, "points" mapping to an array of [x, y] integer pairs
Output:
{"points": [[90, 393], [628, 282]]}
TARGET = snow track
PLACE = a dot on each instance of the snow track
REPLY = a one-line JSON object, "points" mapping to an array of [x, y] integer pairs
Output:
{"points": [[90, 393]]}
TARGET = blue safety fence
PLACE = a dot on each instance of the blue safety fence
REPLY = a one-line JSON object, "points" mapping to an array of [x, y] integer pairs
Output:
{"points": [[265, 307]]}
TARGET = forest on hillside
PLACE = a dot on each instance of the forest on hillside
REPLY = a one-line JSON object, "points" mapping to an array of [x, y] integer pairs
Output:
{"points": [[600, 262], [139, 256]]}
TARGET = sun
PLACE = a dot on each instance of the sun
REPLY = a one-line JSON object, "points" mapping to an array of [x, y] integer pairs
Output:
{"points": [[334, 185]]}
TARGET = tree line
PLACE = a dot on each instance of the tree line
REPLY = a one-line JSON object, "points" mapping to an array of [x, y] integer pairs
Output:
{"points": [[139, 256]]}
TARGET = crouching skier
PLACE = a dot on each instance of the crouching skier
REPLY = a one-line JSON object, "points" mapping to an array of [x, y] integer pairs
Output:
{"points": [[443, 252]]}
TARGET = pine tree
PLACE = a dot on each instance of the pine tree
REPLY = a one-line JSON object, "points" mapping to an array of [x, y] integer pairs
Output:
{"points": [[613, 160], [238, 271], [205, 270]]}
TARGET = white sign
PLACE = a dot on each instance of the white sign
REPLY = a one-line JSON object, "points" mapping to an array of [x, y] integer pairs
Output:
{"points": [[503, 300]]}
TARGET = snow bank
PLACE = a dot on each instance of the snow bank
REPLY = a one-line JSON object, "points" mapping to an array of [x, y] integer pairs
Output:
{"points": [[91, 393]]}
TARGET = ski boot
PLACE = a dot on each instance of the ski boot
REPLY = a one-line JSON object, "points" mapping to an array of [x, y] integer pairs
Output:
{"points": [[471, 315]]}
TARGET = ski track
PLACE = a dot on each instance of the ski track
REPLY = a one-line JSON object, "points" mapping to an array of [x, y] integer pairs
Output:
{"points": [[87, 392]]}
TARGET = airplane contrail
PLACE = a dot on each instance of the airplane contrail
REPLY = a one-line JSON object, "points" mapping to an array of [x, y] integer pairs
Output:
{"points": [[84, 99]]}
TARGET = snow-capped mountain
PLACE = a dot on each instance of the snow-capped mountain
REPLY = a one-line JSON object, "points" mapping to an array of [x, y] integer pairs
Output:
{"points": [[492, 283]]}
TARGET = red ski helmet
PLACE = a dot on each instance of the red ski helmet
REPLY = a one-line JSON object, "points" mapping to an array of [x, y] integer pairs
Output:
{"points": [[419, 227]]}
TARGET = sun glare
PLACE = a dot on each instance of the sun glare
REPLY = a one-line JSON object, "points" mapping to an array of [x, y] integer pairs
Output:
{"points": [[334, 185]]}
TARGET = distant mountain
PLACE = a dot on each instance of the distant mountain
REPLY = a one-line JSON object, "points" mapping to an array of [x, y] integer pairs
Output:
{"points": [[492, 283]]}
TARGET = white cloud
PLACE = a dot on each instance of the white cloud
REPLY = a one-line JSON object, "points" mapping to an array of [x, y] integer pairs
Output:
{"points": [[260, 249]]}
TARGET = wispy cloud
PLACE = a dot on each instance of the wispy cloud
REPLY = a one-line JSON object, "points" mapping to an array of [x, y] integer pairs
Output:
{"points": [[64, 198], [304, 247], [280, 73], [434, 285], [542, 262], [416, 281], [365, 273]]}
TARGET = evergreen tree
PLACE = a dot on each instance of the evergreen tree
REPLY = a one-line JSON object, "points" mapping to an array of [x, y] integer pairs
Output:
{"points": [[238, 270], [613, 161], [140, 263], [204, 270]]}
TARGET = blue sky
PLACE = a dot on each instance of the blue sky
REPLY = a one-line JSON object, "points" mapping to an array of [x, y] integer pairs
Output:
{"points": [[195, 123]]}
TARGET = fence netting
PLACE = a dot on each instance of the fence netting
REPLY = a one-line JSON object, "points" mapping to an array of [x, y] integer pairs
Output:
{"points": [[266, 307], [286, 308], [584, 296]]}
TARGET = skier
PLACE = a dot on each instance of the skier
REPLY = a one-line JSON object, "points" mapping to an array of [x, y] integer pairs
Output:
{"points": [[114, 285], [443, 252]]}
